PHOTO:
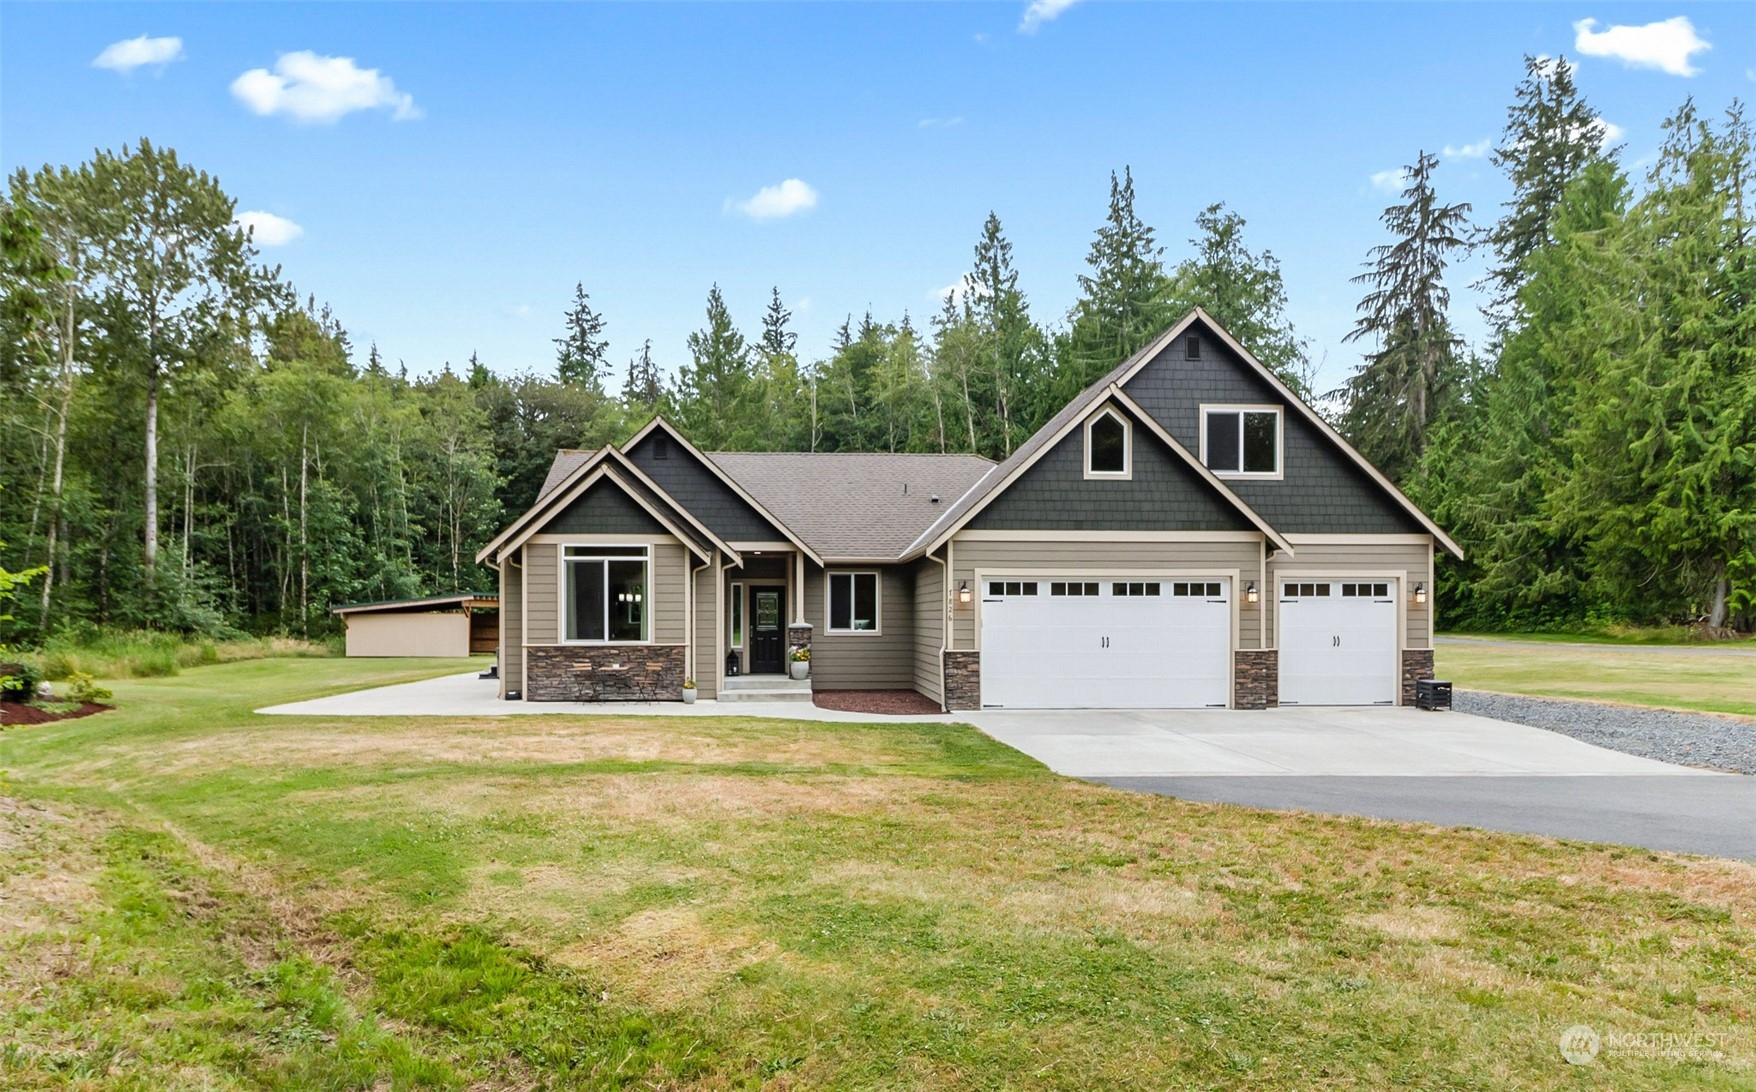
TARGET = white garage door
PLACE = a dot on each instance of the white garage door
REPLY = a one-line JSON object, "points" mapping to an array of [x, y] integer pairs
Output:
{"points": [[1338, 642], [1060, 642]]}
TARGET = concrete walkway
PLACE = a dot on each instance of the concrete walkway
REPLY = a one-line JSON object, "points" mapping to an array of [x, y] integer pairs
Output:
{"points": [[469, 696]]}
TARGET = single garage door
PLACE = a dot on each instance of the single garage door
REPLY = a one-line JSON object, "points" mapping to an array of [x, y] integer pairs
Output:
{"points": [[1078, 642], [1338, 642]]}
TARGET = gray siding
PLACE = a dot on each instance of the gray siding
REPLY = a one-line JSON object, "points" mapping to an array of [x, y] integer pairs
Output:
{"points": [[541, 625], [669, 581], [1165, 494], [864, 661], [929, 628], [1051, 558], [700, 491], [511, 626], [1322, 491], [707, 622], [1408, 560], [605, 510]]}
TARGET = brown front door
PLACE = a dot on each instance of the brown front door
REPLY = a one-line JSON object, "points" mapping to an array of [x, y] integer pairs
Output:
{"points": [[768, 630]]}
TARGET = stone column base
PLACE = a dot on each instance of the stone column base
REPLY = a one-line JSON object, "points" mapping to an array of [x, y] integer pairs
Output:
{"points": [[603, 673], [1255, 678], [963, 680], [1417, 663]]}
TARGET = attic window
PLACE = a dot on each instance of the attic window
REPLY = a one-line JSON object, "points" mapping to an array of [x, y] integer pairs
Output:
{"points": [[661, 447], [1192, 347], [1241, 441], [1107, 436]]}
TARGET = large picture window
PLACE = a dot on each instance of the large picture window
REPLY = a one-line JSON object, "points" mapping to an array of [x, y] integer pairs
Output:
{"points": [[853, 602], [1241, 440], [607, 593]]}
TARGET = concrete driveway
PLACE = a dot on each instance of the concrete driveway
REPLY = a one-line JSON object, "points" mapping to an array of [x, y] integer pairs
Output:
{"points": [[1334, 742], [1447, 768]]}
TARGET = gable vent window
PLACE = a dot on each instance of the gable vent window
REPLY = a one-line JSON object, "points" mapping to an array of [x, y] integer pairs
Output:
{"points": [[1192, 347], [1107, 446], [661, 447], [1241, 440]]}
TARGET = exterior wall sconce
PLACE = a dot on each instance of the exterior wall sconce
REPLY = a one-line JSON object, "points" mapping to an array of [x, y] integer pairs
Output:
{"points": [[963, 593], [1420, 592], [1251, 595]]}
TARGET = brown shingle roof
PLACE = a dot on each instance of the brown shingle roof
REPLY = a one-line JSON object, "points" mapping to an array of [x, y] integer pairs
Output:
{"points": [[854, 505], [567, 460]]}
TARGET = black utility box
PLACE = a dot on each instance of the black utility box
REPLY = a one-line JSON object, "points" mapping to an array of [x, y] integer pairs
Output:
{"points": [[1432, 694]]}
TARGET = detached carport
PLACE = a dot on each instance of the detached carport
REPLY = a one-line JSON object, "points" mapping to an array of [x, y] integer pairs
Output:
{"points": [[437, 626]]}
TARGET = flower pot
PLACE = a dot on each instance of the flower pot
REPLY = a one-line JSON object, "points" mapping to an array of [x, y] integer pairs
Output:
{"points": [[801, 669], [689, 695]]}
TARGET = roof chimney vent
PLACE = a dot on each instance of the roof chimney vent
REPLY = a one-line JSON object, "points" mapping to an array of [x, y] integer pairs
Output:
{"points": [[935, 498]]}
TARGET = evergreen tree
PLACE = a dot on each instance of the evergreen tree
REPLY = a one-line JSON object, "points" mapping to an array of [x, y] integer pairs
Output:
{"points": [[644, 389], [777, 338], [582, 354], [1551, 135], [1011, 345], [711, 386], [1243, 292], [1413, 368], [1122, 304]]}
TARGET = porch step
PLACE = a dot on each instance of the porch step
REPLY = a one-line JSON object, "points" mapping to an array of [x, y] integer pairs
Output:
{"points": [[765, 688]]}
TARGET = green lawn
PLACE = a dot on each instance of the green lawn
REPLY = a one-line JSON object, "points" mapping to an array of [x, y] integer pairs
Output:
{"points": [[1705, 678], [192, 896]]}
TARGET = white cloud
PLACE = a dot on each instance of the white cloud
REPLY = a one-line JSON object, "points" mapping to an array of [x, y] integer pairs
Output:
{"points": [[1470, 151], [775, 202], [1666, 46], [131, 53], [306, 87], [1040, 12], [1609, 132], [940, 123], [267, 229], [1390, 181]]}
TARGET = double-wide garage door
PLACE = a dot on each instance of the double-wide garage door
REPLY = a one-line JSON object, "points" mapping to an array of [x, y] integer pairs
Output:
{"points": [[1078, 642], [1338, 642]]}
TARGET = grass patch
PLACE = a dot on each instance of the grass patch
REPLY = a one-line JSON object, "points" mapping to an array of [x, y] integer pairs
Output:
{"points": [[1708, 678], [1617, 634], [149, 654], [736, 903]]}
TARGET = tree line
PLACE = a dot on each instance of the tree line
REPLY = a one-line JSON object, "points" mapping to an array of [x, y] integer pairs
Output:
{"points": [[187, 443]]}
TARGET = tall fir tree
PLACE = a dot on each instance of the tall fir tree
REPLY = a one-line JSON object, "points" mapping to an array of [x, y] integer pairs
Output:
{"points": [[1244, 292], [1011, 345], [1413, 367], [712, 385], [582, 354], [644, 388], [1551, 135], [1122, 300]]}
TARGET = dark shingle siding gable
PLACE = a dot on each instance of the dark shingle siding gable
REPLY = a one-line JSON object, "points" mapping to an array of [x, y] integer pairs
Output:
{"points": [[605, 510], [701, 492], [1322, 491], [1165, 494]]}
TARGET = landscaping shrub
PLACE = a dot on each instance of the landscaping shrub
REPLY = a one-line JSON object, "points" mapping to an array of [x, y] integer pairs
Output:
{"points": [[18, 681]]}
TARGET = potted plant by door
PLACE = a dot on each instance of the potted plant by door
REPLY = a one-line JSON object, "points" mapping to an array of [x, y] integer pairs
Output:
{"points": [[688, 691], [801, 663]]}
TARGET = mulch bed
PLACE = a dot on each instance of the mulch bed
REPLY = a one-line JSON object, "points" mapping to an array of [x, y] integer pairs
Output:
{"points": [[12, 713], [900, 703]]}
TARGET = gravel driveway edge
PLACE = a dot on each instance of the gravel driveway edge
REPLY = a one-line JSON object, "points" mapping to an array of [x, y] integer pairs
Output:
{"points": [[1686, 739]]}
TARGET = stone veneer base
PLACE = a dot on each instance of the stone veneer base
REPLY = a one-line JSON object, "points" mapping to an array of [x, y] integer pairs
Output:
{"points": [[1417, 663], [963, 680], [1255, 678], [603, 673]]}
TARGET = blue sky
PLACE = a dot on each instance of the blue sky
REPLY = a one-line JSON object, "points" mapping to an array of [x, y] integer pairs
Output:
{"points": [[453, 169]]}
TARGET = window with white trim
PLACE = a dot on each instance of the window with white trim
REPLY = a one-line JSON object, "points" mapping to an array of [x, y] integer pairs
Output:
{"points": [[1108, 440], [605, 593], [853, 602], [1241, 440]]}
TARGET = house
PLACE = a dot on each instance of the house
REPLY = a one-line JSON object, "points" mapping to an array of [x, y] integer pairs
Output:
{"points": [[1185, 533], [436, 625]]}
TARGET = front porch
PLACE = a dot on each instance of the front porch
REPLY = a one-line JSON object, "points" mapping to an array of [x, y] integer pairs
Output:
{"points": [[761, 623]]}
